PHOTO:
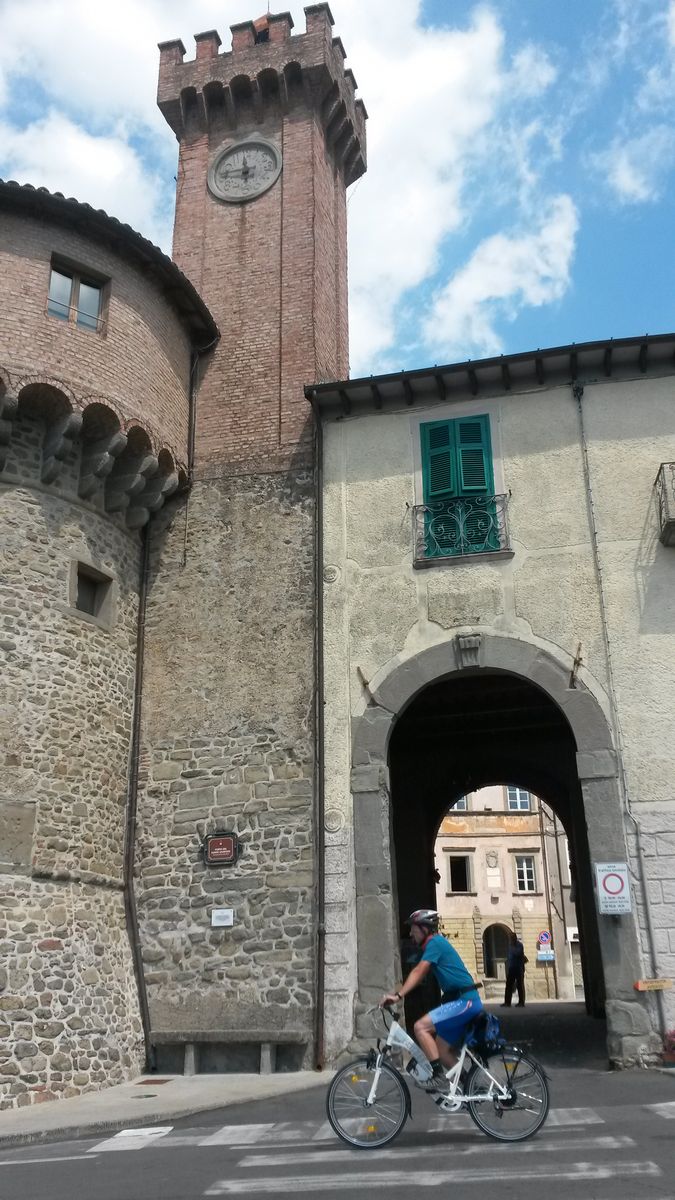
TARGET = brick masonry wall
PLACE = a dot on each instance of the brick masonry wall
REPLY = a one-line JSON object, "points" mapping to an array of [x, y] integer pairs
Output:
{"points": [[68, 1005], [228, 743], [139, 366], [273, 273]]}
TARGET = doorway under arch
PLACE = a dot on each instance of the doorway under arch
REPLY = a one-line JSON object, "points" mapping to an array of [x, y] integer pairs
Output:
{"points": [[495, 950], [463, 715]]}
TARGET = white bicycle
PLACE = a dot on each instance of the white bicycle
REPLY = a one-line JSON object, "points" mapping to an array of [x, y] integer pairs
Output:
{"points": [[504, 1089]]}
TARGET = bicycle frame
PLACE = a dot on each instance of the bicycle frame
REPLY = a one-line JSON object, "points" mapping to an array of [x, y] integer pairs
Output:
{"points": [[397, 1038]]}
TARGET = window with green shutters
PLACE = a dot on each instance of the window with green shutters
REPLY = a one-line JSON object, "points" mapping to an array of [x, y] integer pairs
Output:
{"points": [[458, 481]]}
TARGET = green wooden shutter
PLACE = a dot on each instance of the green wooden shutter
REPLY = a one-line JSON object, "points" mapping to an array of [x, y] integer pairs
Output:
{"points": [[439, 471], [474, 456]]}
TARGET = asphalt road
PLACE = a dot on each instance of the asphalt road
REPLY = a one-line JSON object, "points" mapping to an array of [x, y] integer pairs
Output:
{"points": [[610, 1136]]}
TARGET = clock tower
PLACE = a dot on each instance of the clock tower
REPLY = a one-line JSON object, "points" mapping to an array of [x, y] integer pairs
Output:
{"points": [[270, 136]]}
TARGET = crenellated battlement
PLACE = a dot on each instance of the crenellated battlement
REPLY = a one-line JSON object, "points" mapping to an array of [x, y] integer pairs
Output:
{"points": [[49, 437], [267, 67]]}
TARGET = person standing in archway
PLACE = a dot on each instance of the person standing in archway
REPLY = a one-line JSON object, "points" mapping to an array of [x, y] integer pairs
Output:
{"points": [[515, 971]]}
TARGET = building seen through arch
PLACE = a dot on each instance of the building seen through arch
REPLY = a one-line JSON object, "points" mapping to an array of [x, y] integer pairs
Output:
{"points": [[502, 863]]}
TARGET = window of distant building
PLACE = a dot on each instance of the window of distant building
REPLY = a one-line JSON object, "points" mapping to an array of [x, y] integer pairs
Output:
{"points": [[517, 799], [459, 873], [526, 880], [75, 297], [460, 805]]}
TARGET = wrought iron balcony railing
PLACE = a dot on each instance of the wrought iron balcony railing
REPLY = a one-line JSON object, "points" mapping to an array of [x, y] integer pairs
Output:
{"points": [[665, 499], [456, 528]]}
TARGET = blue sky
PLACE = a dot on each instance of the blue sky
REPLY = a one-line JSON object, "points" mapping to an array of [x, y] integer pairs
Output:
{"points": [[521, 156]]}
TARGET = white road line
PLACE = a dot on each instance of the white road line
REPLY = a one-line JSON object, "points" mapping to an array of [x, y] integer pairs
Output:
{"points": [[237, 1135], [318, 1157], [324, 1133], [132, 1139], [573, 1116], [667, 1109], [27, 1162], [577, 1172]]}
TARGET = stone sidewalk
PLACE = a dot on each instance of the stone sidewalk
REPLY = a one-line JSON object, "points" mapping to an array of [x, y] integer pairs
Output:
{"points": [[145, 1101]]}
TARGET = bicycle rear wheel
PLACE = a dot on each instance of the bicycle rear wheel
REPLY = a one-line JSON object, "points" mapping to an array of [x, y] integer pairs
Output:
{"points": [[519, 1114], [358, 1123]]}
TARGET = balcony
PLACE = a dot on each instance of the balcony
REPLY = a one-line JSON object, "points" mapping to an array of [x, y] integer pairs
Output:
{"points": [[460, 528], [665, 500]]}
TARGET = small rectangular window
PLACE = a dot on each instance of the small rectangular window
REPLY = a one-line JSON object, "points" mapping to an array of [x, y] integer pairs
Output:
{"points": [[460, 805], [525, 876], [517, 799], [459, 873], [92, 591], [75, 298]]}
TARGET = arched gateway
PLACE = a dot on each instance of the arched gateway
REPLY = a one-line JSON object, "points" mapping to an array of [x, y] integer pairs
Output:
{"points": [[548, 732]]}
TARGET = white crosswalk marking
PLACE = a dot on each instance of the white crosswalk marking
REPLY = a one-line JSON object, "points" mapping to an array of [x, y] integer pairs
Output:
{"points": [[576, 1172], [667, 1109], [236, 1135], [573, 1116], [319, 1157], [132, 1139], [324, 1133]]}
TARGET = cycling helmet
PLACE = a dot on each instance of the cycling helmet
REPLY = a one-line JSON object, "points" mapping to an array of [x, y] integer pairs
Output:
{"points": [[428, 918]]}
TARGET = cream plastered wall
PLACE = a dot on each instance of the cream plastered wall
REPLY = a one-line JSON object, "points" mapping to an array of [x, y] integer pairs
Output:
{"points": [[377, 607]]}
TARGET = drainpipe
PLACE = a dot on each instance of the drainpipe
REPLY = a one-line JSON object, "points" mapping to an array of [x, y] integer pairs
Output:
{"points": [[132, 806], [578, 393], [319, 741], [547, 888], [130, 909]]}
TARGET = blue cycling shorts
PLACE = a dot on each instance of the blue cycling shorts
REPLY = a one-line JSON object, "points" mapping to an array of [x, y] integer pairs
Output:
{"points": [[450, 1020]]}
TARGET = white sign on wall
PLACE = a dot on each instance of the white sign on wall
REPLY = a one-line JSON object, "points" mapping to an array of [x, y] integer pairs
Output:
{"points": [[222, 917], [612, 886]]}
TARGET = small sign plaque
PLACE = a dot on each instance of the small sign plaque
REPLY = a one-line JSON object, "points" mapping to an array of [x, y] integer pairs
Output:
{"points": [[221, 849], [222, 917], [611, 881], [653, 985]]}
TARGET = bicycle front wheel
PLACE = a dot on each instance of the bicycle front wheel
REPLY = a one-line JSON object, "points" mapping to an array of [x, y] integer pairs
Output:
{"points": [[507, 1096], [358, 1123]]}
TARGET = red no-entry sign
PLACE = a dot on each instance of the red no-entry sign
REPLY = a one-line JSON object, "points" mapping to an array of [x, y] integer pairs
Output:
{"points": [[612, 886]]}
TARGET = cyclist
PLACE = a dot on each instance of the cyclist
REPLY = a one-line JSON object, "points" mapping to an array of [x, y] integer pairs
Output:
{"points": [[460, 1002]]}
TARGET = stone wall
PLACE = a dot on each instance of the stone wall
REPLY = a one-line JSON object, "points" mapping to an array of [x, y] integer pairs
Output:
{"points": [[69, 1019], [67, 991], [228, 738]]}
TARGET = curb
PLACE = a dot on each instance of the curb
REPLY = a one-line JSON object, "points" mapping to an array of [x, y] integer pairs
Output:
{"points": [[67, 1133]]}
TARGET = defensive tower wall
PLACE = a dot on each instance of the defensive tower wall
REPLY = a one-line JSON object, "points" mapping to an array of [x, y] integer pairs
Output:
{"points": [[232, 610], [93, 440]]}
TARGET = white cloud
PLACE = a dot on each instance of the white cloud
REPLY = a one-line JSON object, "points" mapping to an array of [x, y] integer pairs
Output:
{"points": [[532, 71], [504, 274], [103, 171], [635, 169]]}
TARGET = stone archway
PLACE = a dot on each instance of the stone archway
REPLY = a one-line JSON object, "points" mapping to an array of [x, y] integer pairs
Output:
{"points": [[597, 770]]}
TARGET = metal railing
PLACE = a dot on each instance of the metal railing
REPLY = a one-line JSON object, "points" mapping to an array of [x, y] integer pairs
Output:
{"points": [[457, 528], [664, 485]]}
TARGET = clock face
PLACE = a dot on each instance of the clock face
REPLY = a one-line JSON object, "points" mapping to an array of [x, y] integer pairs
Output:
{"points": [[245, 170]]}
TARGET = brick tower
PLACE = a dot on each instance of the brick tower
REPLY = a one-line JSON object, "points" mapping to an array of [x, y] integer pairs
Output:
{"points": [[270, 136], [273, 266]]}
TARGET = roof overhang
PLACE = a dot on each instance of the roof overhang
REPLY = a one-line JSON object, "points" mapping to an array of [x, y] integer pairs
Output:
{"points": [[586, 362]]}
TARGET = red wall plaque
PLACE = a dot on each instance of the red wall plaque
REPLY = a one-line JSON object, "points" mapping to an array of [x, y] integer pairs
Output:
{"points": [[221, 849]]}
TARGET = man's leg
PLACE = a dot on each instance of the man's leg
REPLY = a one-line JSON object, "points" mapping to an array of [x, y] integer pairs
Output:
{"points": [[508, 989], [425, 1035], [521, 988]]}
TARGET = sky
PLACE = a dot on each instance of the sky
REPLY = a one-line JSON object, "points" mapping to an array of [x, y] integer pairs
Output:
{"points": [[521, 156]]}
